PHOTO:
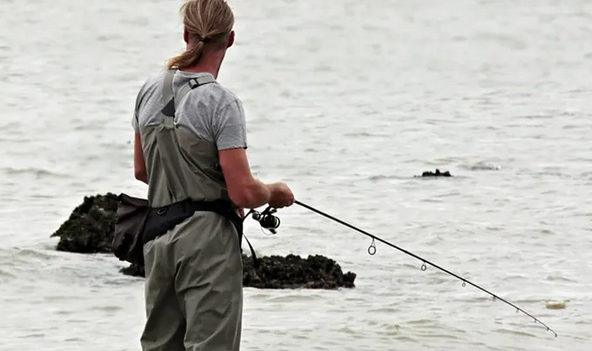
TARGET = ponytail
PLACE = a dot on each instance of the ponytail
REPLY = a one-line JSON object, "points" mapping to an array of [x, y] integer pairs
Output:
{"points": [[188, 58], [208, 23]]}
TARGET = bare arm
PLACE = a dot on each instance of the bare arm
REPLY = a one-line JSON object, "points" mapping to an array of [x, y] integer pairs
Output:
{"points": [[229, 132], [139, 165], [244, 190]]}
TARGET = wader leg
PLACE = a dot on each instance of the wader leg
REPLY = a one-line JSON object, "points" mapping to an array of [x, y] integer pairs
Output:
{"points": [[209, 283], [165, 324]]}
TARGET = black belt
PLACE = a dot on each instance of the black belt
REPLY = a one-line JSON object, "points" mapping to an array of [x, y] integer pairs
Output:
{"points": [[162, 219]]}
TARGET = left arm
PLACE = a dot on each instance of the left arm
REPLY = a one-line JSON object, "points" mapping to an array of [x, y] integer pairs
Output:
{"points": [[139, 165]]}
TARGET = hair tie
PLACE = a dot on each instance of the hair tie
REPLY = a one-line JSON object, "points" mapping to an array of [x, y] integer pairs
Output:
{"points": [[203, 40]]}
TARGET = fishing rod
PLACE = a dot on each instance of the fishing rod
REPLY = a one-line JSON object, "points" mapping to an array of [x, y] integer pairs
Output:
{"points": [[269, 221]]}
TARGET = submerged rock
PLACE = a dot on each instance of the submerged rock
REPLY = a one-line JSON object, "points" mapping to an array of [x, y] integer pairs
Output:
{"points": [[89, 229], [134, 270], [436, 174]]}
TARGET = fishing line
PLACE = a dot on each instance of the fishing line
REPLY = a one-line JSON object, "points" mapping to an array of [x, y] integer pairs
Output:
{"points": [[372, 251]]}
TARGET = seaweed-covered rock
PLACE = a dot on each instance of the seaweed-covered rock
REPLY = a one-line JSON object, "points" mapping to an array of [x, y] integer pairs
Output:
{"points": [[292, 272], [134, 270], [89, 229], [437, 173]]}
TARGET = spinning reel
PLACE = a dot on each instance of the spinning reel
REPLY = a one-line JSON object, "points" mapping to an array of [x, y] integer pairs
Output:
{"points": [[266, 219]]}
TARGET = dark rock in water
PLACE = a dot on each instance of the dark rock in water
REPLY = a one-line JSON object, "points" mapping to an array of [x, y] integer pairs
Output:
{"points": [[292, 272], [134, 270], [436, 174], [89, 229], [90, 226]]}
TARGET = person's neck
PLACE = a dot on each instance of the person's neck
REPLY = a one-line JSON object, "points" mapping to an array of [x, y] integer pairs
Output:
{"points": [[209, 63]]}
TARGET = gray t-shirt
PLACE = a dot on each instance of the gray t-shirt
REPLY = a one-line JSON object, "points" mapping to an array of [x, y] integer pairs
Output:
{"points": [[211, 111]]}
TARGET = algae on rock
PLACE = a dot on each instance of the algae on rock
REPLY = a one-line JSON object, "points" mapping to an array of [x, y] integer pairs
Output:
{"points": [[89, 229]]}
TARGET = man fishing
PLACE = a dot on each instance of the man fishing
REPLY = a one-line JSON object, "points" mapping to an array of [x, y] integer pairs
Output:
{"points": [[190, 143]]}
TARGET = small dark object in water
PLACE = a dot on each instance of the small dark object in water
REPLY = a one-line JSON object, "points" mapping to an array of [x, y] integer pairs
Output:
{"points": [[89, 229], [436, 174], [133, 270]]}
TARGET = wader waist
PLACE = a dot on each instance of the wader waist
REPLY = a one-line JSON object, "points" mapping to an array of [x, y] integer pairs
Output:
{"points": [[162, 219]]}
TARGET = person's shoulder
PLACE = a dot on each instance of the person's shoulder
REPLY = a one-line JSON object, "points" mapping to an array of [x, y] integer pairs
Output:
{"points": [[222, 94], [214, 92], [224, 91], [149, 87], [154, 80]]}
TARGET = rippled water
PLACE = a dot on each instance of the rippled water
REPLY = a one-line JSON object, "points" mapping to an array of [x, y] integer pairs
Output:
{"points": [[346, 101]]}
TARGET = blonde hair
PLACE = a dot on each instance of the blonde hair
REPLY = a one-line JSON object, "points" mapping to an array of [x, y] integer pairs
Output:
{"points": [[208, 24]]}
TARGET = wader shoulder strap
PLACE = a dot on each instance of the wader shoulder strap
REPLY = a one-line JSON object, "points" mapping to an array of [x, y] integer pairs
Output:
{"points": [[172, 100], [167, 86]]}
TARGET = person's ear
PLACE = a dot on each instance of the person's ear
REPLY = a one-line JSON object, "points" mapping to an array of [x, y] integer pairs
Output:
{"points": [[230, 39], [185, 35]]}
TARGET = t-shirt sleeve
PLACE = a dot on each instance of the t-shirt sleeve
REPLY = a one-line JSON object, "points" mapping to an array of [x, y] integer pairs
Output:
{"points": [[230, 131], [135, 117], [135, 125]]}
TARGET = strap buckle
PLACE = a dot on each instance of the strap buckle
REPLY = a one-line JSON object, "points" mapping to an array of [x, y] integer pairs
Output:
{"points": [[193, 83]]}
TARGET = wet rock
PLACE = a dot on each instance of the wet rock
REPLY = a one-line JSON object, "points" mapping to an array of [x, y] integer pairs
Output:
{"points": [[89, 229], [293, 272], [437, 173], [134, 270]]}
